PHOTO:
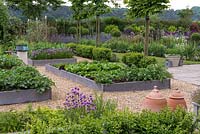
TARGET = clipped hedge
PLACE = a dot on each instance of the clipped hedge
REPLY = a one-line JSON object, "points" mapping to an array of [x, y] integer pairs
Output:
{"points": [[101, 54], [132, 59], [138, 60], [84, 51]]}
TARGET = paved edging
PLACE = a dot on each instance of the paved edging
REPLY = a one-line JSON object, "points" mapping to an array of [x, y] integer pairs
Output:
{"points": [[22, 96], [51, 61]]}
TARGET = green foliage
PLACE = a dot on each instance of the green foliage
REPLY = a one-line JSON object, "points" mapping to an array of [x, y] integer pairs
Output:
{"points": [[13, 121], [72, 46], [44, 120], [87, 42], [115, 32], [84, 31], [9, 61], [132, 59], [4, 14], [32, 10], [117, 45], [84, 51], [101, 54], [109, 28], [172, 29], [51, 54], [72, 30], [195, 37], [144, 62], [105, 72], [24, 77], [156, 49], [137, 47]]}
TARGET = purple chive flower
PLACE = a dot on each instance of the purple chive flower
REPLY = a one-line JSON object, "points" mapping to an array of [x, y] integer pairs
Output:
{"points": [[75, 99]]}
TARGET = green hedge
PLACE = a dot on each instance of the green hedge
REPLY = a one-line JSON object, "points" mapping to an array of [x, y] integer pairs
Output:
{"points": [[60, 122], [84, 51], [138, 59], [132, 59], [101, 54]]}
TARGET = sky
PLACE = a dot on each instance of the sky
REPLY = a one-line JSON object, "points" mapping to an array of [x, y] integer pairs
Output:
{"points": [[175, 4]]}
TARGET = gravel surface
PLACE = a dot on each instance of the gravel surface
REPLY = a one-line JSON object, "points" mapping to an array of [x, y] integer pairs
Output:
{"points": [[130, 99]]}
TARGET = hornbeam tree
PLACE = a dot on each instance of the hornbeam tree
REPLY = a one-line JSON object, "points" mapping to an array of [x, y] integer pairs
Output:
{"points": [[34, 8], [145, 8]]}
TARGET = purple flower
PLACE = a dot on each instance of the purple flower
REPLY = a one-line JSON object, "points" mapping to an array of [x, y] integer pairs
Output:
{"points": [[75, 99]]}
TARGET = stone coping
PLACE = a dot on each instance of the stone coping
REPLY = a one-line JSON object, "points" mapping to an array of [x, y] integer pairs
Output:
{"points": [[22, 96], [51, 61]]}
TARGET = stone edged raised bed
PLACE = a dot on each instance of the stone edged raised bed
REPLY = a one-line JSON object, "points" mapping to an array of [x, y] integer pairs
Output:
{"points": [[124, 86], [22, 96], [51, 61]]}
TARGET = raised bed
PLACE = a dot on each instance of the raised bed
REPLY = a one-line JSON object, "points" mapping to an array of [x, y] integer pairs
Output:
{"points": [[50, 61], [124, 86], [22, 96]]}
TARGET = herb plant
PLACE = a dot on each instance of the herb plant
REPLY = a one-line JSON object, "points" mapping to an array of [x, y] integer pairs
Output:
{"points": [[51, 53]]}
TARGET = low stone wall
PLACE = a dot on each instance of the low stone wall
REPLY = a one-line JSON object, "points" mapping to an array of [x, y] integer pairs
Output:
{"points": [[22, 96], [50, 61], [124, 86]]}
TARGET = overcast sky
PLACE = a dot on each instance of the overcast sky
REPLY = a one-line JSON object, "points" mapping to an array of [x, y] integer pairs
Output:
{"points": [[175, 4]]}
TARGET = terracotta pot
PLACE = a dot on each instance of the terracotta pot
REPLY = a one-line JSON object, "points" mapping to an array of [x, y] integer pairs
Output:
{"points": [[154, 101], [176, 99]]}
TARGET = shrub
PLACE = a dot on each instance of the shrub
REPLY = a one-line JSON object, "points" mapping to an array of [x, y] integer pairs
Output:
{"points": [[101, 54], [144, 62], [117, 45], [9, 61], [132, 59], [175, 51], [72, 46], [50, 54], [72, 30], [115, 32], [156, 49], [84, 31], [136, 47], [84, 51], [195, 37], [109, 28], [88, 42]]}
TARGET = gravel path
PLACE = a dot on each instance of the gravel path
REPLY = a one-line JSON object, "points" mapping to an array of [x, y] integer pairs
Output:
{"points": [[130, 99]]}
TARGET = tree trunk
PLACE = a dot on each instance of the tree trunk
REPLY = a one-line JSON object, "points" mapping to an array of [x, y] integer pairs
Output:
{"points": [[146, 43], [97, 30], [78, 31]]}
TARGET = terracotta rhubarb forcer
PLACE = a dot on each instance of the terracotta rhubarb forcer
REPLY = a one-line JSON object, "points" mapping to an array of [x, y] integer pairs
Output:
{"points": [[154, 101], [176, 99]]}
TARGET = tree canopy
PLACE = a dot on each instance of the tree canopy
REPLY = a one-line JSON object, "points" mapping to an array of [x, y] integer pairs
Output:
{"points": [[145, 8], [34, 8], [4, 15]]}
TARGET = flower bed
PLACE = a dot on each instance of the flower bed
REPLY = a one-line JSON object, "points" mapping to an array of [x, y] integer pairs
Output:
{"points": [[50, 56], [18, 79], [113, 76]]}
